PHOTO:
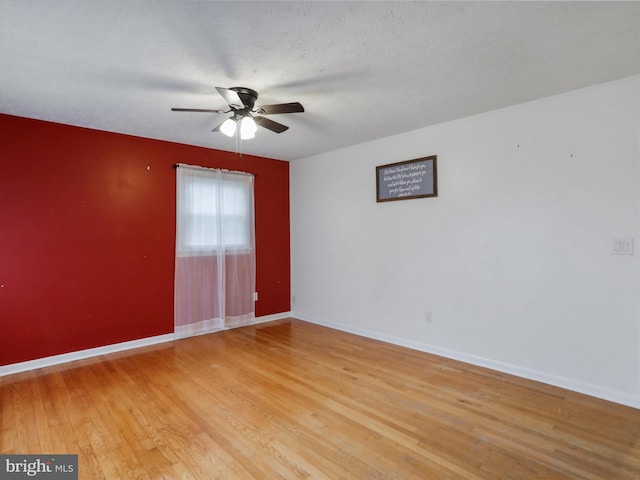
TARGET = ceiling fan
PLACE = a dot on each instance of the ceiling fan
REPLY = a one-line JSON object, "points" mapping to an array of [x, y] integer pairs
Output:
{"points": [[246, 115]]}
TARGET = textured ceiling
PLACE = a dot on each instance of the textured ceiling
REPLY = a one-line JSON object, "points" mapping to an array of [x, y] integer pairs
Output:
{"points": [[362, 70]]}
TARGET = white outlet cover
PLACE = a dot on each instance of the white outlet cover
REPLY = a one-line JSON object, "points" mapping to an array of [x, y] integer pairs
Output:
{"points": [[622, 246]]}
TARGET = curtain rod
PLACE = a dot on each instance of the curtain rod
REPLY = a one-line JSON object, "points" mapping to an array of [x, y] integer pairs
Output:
{"points": [[176, 165]]}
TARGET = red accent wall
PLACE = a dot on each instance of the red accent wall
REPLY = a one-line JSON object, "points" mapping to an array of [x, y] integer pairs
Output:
{"points": [[87, 235]]}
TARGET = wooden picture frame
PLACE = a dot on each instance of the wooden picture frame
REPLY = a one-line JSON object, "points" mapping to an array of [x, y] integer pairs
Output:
{"points": [[416, 178]]}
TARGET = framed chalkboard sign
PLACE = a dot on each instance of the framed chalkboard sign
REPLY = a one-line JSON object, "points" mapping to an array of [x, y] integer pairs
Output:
{"points": [[410, 179]]}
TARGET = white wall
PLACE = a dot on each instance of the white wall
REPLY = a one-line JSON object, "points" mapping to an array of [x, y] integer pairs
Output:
{"points": [[513, 258]]}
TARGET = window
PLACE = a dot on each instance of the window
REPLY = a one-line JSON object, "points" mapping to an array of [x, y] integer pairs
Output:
{"points": [[215, 210]]}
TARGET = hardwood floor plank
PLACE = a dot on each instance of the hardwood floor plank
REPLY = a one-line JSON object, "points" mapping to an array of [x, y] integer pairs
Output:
{"points": [[291, 400]]}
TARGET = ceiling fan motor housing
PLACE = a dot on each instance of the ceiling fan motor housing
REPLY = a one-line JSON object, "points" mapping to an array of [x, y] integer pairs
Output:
{"points": [[247, 96]]}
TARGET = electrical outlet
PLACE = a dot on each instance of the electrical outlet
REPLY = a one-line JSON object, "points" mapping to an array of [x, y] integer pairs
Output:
{"points": [[622, 246], [255, 296]]}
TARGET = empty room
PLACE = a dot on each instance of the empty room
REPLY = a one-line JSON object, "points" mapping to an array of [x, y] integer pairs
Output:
{"points": [[319, 240]]}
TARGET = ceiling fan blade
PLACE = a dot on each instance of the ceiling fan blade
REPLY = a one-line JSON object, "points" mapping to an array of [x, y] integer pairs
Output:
{"points": [[198, 110], [231, 97], [293, 107], [270, 124]]}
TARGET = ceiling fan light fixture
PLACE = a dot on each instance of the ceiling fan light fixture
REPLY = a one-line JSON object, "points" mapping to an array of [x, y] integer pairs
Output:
{"points": [[228, 127], [248, 128]]}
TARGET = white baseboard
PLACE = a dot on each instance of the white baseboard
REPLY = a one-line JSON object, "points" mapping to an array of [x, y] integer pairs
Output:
{"points": [[271, 318], [82, 354], [597, 391], [117, 347]]}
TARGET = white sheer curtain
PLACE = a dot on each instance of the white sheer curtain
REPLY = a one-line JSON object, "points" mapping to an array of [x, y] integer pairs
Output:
{"points": [[215, 250]]}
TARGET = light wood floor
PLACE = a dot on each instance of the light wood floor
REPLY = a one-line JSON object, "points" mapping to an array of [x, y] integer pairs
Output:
{"points": [[293, 400]]}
